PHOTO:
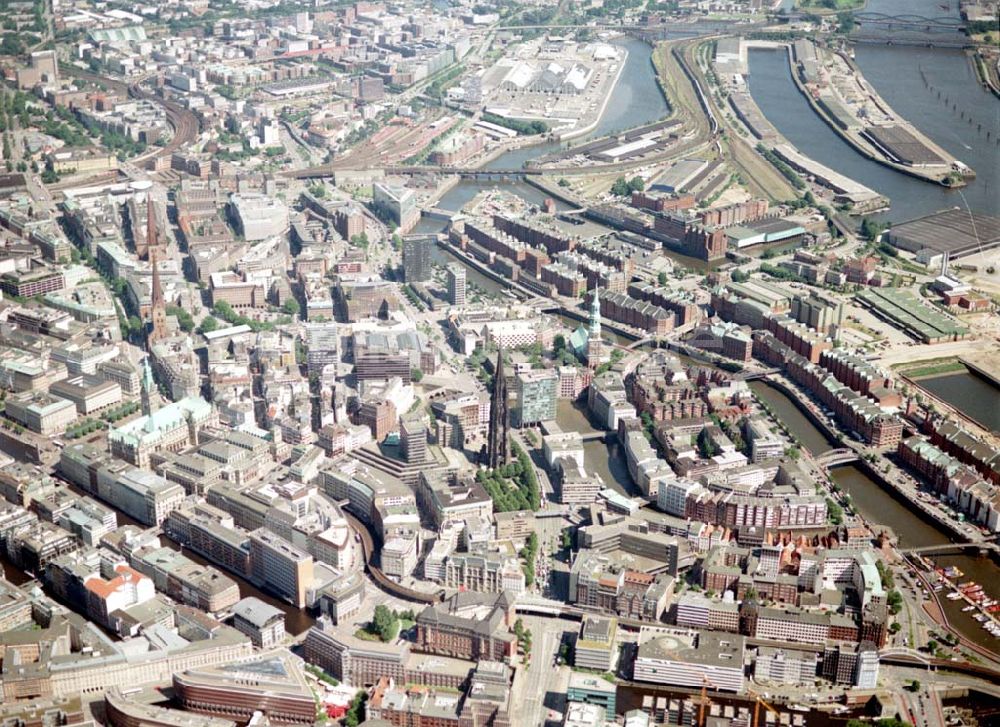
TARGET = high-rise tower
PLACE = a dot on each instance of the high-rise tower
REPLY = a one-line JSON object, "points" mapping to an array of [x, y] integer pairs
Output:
{"points": [[157, 306], [499, 432]]}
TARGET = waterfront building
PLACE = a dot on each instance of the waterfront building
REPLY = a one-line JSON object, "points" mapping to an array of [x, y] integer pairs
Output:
{"points": [[262, 622], [396, 204], [280, 566], [417, 257], [787, 667], [456, 284], [535, 397]]}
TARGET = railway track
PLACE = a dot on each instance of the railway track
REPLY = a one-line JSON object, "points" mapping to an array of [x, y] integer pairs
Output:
{"points": [[182, 121], [383, 581]]}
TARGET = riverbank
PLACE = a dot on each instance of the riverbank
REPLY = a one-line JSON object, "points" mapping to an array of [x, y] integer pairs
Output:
{"points": [[879, 143], [577, 133]]}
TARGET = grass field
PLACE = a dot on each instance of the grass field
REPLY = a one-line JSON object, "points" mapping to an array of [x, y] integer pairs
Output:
{"points": [[832, 6], [931, 367]]}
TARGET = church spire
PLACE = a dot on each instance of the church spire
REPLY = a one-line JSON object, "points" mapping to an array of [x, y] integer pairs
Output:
{"points": [[148, 389], [499, 431], [595, 314]]}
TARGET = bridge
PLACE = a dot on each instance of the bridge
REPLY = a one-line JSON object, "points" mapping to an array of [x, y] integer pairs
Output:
{"points": [[952, 548], [487, 175], [836, 457], [910, 22], [596, 436]]}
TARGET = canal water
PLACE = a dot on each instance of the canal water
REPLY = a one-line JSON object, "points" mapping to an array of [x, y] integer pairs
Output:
{"points": [[970, 393], [606, 459], [785, 409], [881, 506], [296, 619], [909, 79]]}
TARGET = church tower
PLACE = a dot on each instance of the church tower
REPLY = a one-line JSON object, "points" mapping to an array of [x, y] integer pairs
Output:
{"points": [[595, 346], [499, 431], [157, 307]]}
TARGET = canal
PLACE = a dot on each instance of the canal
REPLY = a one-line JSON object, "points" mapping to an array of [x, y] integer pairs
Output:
{"points": [[606, 459], [296, 620], [970, 393], [881, 506], [909, 79], [785, 409]]}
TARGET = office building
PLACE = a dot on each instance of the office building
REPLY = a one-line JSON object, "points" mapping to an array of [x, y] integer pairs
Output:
{"points": [[417, 257], [596, 644], [258, 216], [40, 412], [273, 686], [262, 622], [788, 667], [591, 689], [399, 557], [280, 566], [87, 392], [413, 439], [352, 660], [687, 659], [456, 284], [535, 397], [468, 625], [396, 204]]}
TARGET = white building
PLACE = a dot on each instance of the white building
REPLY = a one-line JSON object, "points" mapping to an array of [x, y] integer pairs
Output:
{"points": [[687, 658], [257, 216]]}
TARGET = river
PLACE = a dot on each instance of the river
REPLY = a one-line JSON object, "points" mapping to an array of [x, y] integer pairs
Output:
{"points": [[908, 78]]}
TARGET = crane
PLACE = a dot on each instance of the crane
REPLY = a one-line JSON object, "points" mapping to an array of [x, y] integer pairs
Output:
{"points": [[758, 701], [704, 702]]}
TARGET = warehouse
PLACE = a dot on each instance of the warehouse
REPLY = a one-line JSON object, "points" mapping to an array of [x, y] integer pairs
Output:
{"points": [[956, 232]]}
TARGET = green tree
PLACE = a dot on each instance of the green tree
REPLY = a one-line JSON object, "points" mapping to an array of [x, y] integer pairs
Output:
{"points": [[356, 712], [384, 623], [208, 325], [290, 307], [706, 447], [661, 278], [621, 188], [416, 375]]}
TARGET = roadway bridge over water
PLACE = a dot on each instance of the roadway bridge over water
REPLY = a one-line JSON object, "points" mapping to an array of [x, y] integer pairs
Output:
{"points": [[836, 457], [945, 548]]}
